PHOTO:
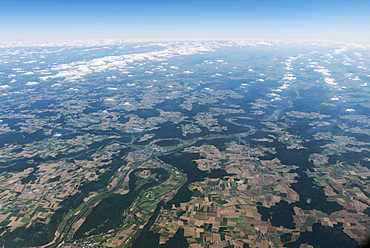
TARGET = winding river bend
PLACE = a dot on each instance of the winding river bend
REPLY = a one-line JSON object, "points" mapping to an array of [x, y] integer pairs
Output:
{"points": [[109, 213]]}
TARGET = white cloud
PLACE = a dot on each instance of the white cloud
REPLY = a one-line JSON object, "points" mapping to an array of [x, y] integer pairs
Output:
{"points": [[29, 73], [32, 83], [324, 72], [338, 51], [276, 99], [330, 81], [79, 69], [289, 78], [30, 62]]}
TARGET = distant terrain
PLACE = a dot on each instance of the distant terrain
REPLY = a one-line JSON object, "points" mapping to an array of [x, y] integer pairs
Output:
{"points": [[184, 143]]}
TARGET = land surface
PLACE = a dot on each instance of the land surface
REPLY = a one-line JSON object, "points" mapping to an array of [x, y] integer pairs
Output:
{"points": [[184, 144]]}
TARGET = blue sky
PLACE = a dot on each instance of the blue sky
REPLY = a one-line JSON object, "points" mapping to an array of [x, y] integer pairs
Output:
{"points": [[264, 19]]}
